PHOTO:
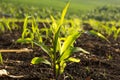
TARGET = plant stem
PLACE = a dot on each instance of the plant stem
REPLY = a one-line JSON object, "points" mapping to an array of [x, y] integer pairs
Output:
{"points": [[54, 66]]}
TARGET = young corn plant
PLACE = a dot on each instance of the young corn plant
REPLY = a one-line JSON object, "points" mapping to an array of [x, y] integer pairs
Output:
{"points": [[25, 33], [5, 25], [60, 49], [32, 32]]}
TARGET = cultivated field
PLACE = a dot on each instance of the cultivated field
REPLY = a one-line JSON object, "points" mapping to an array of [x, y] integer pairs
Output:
{"points": [[59, 40]]}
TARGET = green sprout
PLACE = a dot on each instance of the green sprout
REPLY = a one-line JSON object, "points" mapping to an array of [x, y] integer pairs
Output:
{"points": [[61, 48]]}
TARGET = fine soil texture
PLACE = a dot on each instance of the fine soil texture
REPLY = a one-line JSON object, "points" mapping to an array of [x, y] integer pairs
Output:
{"points": [[103, 62]]}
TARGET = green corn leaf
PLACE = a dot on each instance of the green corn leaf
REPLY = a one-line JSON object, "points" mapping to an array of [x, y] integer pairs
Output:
{"points": [[70, 39], [37, 60], [64, 13], [71, 59], [59, 45], [99, 35], [25, 26], [66, 54], [56, 30], [78, 49], [54, 26], [25, 33], [1, 59], [44, 48], [25, 40], [56, 40], [33, 27], [25, 22], [8, 25]]}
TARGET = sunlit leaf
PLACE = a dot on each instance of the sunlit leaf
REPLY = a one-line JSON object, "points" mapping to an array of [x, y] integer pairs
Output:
{"points": [[54, 26], [78, 49], [64, 13], [55, 40], [7, 23], [71, 59], [25, 40], [44, 47], [66, 54], [37, 60], [59, 45], [70, 39], [25, 27], [99, 35]]}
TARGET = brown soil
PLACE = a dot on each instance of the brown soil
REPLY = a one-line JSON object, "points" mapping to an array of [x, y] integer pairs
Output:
{"points": [[102, 64]]}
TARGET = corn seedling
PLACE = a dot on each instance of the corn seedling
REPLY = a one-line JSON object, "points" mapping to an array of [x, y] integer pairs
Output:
{"points": [[31, 32], [60, 49], [5, 25], [25, 33]]}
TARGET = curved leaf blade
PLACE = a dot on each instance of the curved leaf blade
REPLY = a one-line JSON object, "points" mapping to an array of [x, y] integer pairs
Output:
{"points": [[70, 39], [66, 54], [44, 47], [78, 49], [37, 60], [99, 35], [71, 59]]}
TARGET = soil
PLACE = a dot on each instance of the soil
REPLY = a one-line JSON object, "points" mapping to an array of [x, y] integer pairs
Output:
{"points": [[102, 64]]}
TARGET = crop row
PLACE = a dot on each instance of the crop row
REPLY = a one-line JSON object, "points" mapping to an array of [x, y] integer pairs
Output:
{"points": [[105, 13], [109, 28]]}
